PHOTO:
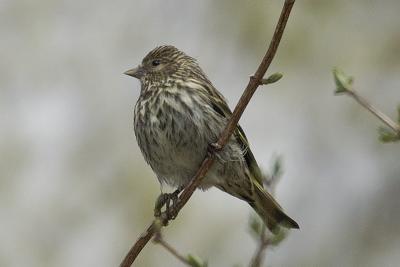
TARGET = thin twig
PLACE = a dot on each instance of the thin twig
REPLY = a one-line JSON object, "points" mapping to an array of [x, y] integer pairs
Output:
{"points": [[158, 239], [344, 85], [379, 114], [264, 241], [229, 129]]}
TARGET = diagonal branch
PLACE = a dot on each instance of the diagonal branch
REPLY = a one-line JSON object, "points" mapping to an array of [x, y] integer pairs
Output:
{"points": [[344, 85], [252, 86]]}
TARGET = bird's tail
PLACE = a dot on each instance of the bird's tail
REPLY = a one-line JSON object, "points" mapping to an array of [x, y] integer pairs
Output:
{"points": [[270, 211]]}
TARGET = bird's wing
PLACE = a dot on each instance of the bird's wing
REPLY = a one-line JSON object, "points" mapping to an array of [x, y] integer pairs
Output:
{"points": [[221, 107]]}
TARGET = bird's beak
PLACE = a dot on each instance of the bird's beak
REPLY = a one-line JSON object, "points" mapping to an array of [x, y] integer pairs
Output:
{"points": [[135, 72]]}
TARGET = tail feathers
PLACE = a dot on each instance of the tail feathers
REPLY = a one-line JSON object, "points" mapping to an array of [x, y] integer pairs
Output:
{"points": [[270, 211]]}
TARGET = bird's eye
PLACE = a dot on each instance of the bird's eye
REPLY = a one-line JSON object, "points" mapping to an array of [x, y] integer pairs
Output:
{"points": [[155, 62]]}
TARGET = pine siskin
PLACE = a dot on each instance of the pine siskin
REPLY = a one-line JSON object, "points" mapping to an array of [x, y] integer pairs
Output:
{"points": [[178, 114]]}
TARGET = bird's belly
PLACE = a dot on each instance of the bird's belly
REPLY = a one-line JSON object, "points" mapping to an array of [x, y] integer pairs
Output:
{"points": [[174, 137], [174, 146]]}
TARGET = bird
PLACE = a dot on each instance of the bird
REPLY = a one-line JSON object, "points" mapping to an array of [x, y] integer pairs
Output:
{"points": [[177, 115]]}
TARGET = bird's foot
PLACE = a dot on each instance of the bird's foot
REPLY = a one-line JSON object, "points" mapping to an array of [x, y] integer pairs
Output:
{"points": [[170, 201]]}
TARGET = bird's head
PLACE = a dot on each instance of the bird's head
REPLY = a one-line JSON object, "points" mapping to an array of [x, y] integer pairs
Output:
{"points": [[162, 63]]}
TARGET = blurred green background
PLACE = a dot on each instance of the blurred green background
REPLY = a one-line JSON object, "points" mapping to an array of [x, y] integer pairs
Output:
{"points": [[75, 190]]}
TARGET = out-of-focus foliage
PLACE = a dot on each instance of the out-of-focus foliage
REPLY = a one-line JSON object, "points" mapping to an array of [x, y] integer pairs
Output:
{"points": [[344, 85], [387, 135], [255, 225], [196, 261]]}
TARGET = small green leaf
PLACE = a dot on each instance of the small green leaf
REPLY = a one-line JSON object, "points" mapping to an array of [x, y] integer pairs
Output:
{"points": [[273, 78], [195, 261], [275, 173], [387, 135], [255, 225], [343, 82], [277, 238], [277, 169]]}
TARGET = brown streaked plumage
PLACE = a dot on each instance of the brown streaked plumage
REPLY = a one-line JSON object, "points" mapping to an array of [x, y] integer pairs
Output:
{"points": [[178, 114]]}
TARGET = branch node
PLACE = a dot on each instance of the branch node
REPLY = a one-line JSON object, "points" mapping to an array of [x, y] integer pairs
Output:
{"points": [[254, 80], [157, 237]]}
